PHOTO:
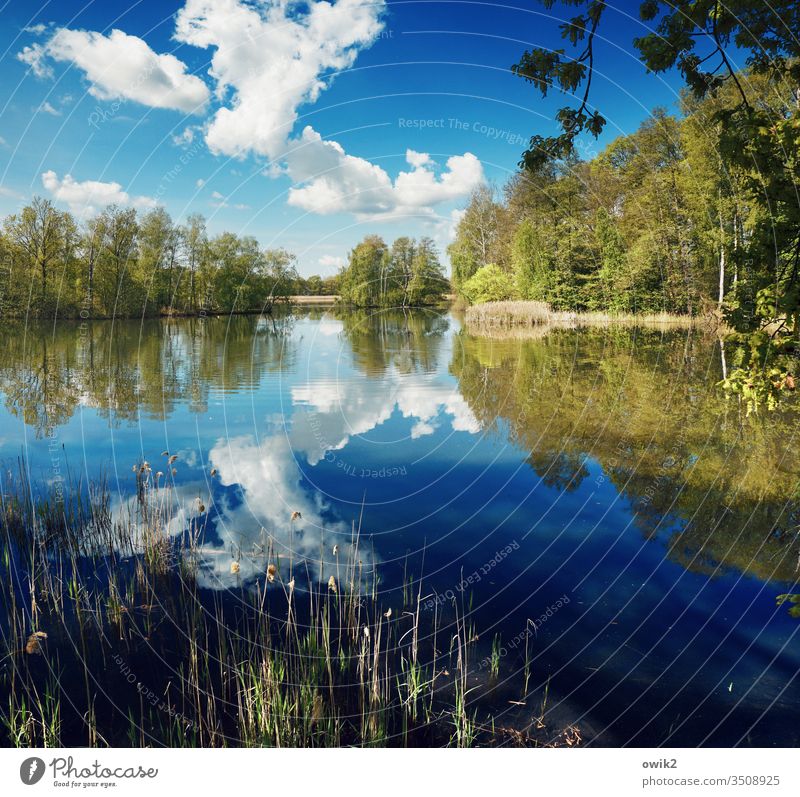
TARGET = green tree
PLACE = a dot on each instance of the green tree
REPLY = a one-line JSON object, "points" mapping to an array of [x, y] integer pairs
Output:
{"points": [[38, 234], [477, 235], [427, 283], [362, 280], [488, 284]]}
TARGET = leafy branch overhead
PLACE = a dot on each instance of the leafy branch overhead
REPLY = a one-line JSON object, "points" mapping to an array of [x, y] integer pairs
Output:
{"points": [[545, 68], [693, 36]]}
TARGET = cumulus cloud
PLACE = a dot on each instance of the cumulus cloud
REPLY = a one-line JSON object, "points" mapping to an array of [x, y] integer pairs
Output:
{"points": [[88, 197], [333, 181], [120, 66], [268, 60]]}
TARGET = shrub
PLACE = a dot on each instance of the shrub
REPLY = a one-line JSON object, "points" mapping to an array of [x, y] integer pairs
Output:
{"points": [[488, 284]]}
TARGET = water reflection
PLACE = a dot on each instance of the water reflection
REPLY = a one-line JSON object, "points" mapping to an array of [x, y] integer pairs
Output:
{"points": [[721, 488], [300, 395], [605, 461]]}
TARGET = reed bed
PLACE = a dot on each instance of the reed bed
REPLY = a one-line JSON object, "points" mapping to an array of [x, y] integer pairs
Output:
{"points": [[539, 317], [110, 640]]}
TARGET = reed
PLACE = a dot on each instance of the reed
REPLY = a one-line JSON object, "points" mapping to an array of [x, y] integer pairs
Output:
{"points": [[109, 639], [538, 317]]}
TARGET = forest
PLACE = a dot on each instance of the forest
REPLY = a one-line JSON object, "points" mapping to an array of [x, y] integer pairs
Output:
{"points": [[121, 263], [407, 274], [657, 221]]}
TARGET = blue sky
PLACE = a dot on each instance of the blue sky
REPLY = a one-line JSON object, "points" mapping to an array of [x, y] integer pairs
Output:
{"points": [[307, 124]]}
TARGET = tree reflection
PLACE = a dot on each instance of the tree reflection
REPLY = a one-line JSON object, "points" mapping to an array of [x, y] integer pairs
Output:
{"points": [[125, 370], [719, 488]]}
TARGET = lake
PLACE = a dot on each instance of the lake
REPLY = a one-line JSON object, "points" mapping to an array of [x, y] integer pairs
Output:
{"points": [[588, 498]]}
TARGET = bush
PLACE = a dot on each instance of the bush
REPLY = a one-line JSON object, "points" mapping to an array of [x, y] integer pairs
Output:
{"points": [[488, 284]]}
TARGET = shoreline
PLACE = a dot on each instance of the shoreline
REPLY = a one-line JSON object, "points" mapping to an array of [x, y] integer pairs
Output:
{"points": [[535, 319]]}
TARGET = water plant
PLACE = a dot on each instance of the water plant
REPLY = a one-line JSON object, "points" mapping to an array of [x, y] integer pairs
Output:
{"points": [[110, 638]]}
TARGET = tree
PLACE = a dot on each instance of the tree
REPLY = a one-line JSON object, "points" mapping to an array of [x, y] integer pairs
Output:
{"points": [[427, 283], [613, 272], [758, 136], [397, 280], [119, 294], [488, 284], [362, 280], [476, 239], [38, 234], [531, 262], [195, 242], [313, 285], [158, 254]]}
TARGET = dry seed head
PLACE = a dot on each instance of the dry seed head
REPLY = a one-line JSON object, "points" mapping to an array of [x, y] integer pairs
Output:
{"points": [[234, 567], [172, 459], [213, 471], [335, 550], [174, 471], [271, 570], [32, 646], [296, 516], [165, 453], [387, 614], [332, 585]]}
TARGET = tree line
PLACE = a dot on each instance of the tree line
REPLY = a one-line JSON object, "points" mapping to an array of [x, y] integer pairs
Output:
{"points": [[657, 221], [407, 274], [738, 217], [124, 263]]}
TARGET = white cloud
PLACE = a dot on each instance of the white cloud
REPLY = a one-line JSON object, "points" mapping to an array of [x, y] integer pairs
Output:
{"points": [[119, 66], [10, 193], [417, 159], [333, 181], [186, 136], [219, 201], [331, 261], [200, 182], [35, 57], [90, 196], [269, 60], [45, 107]]}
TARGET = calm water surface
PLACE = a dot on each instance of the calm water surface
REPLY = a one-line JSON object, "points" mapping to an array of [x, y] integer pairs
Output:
{"points": [[589, 486]]}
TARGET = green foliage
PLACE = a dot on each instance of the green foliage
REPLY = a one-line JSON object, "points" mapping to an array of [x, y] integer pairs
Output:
{"points": [[793, 601], [613, 274], [121, 264], [488, 284], [477, 240], [407, 275], [745, 145]]}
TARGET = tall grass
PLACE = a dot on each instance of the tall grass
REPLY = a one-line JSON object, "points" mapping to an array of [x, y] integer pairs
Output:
{"points": [[539, 316], [110, 640]]}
